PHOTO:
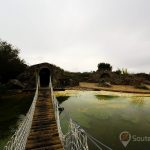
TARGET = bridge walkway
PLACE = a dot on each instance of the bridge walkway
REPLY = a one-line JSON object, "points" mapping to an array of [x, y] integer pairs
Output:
{"points": [[44, 132]]}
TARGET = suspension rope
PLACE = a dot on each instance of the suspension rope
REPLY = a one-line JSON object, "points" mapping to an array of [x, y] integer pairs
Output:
{"points": [[93, 138], [95, 141]]}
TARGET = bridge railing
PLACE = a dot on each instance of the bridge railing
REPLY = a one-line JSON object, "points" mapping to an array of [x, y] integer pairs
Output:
{"points": [[75, 139], [19, 139], [56, 109]]}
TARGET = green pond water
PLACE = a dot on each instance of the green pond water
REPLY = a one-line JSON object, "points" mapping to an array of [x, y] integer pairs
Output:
{"points": [[13, 108], [105, 115]]}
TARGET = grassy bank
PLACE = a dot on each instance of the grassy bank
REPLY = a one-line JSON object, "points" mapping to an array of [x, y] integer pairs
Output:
{"points": [[13, 107]]}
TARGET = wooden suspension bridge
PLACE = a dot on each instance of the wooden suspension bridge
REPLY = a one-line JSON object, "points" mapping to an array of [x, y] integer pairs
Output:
{"points": [[44, 133], [41, 130]]}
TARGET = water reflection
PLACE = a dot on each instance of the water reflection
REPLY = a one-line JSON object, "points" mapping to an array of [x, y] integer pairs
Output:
{"points": [[106, 97], [61, 99]]}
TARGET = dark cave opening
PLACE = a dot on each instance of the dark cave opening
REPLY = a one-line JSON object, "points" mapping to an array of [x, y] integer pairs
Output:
{"points": [[44, 77]]}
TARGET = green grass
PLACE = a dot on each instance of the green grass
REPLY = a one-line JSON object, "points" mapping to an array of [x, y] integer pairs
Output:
{"points": [[11, 107]]}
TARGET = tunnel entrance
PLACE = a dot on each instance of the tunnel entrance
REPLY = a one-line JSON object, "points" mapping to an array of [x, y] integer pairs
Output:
{"points": [[44, 77]]}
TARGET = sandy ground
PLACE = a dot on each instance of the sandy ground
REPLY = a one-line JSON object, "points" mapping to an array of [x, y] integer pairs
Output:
{"points": [[115, 88]]}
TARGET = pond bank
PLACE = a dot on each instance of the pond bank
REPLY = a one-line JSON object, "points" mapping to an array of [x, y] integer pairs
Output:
{"points": [[115, 88], [13, 108]]}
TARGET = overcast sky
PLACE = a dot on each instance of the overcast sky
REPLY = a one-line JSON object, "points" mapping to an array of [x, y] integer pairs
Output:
{"points": [[78, 34]]}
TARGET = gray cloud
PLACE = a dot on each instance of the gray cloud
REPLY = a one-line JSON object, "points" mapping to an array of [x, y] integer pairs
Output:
{"points": [[78, 34]]}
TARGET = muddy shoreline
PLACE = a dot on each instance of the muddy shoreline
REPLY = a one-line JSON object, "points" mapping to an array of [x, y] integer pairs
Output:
{"points": [[118, 88]]}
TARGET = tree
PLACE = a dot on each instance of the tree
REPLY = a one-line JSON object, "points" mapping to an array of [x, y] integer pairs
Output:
{"points": [[104, 67], [119, 72], [10, 63]]}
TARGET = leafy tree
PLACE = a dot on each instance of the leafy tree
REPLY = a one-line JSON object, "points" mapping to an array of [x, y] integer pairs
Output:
{"points": [[10, 63], [119, 72], [104, 67]]}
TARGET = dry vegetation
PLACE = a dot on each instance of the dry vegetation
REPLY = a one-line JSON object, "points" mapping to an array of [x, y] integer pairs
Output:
{"points": [[119, 88]]}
